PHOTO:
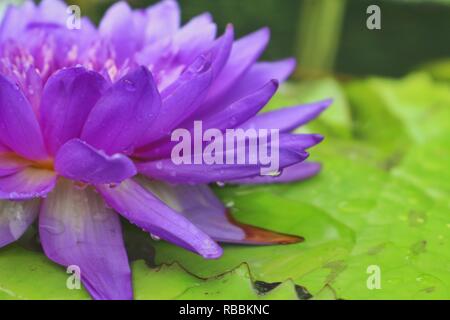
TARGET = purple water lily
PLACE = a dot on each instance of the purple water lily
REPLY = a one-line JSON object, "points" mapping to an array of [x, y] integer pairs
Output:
{"points": [[86, 117]]}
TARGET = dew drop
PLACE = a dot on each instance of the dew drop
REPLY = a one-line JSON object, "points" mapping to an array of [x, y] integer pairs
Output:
{"points": [[155, 237], [129, 85], [274, 174]]}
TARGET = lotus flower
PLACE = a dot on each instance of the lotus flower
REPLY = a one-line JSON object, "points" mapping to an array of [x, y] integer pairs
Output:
{"points": [[86, 117]]}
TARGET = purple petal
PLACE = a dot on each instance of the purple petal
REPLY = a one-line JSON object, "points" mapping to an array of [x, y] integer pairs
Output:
{"points": [[306, 141], [291, 151], [163, 20], [19, 127], [76, 229], [158, 26], [53, 11], [156, 55], [118, 26], [204, 209], [10, 163], [181, 99], [241, 110], [229, 117], [15, 20], [257, 76], [221, 50], [195, 37], [15, 218], [68, 98], [27, 184], [148, 212], [79, 161], [244, 54], [287, 119], [4, 148], [296, 172], [218, 55], [123, 114]]}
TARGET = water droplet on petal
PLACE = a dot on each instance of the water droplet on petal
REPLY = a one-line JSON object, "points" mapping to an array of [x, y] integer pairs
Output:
{"points": [[129, 85], [274, 174], [155, 237]]}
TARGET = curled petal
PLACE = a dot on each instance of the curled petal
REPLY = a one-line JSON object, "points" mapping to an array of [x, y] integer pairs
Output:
{"points": [[148, 212], [15, 218], [77, 229], [68, 98], [79, 161], [27, 184], [123, 114]]}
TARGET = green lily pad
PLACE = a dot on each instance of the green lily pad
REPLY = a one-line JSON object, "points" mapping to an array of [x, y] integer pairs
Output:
{"points": [[30, 275], [172, 282]]}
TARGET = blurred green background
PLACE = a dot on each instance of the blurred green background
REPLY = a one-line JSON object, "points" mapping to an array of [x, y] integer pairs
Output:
{"points": [[330, 35]]}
